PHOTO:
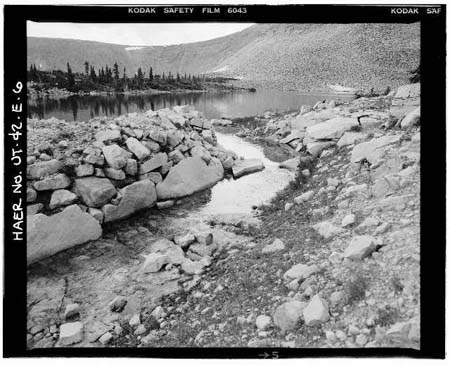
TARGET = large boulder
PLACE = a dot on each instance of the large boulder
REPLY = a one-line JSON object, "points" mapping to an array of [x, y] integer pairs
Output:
{"points": [[408, 91], [189, 176], [42, 169], [108, 136], [138, 149], [331, 129], [95, 191], [58, 181], [373, 150], [115, 156], [411, 119], [154, 163], [244, 167], [47, 235], [137, 196]]}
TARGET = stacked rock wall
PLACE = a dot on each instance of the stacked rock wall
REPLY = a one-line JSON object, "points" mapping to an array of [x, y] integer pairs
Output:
{"points": [[129, 164]]}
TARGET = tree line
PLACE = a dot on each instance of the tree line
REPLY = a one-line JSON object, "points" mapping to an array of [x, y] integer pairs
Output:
{"points": [[112, 79]]}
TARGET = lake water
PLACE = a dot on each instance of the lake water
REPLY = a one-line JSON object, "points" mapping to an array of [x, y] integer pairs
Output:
{"points": [[238, 196], [213, 105]]}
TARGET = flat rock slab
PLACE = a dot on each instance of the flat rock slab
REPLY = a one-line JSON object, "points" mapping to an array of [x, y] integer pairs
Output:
{"points": [[189, 176], [47, 235], [331, 129], [245, 167], [137, 196], [374, 149], [58, 181], [42, 169]]}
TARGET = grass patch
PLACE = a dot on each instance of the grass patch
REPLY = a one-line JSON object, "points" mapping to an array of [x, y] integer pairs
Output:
{"points": [[356, 288]]}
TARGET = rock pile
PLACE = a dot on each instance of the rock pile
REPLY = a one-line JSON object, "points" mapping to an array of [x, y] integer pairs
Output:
{"points": [[127, 165]]}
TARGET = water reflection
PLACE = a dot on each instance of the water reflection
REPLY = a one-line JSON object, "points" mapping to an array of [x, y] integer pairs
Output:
{"points": [[213, 105]]}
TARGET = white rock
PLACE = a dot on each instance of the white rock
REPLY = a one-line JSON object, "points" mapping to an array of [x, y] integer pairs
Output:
{"points": [[360, 247], [288, 314], [277, 245], [348, 220], [135, 321], [304, 197], [263, 322], [288, 206], [316, 312], [106, 338], [327, 230], [300, 272], [70, 333]]}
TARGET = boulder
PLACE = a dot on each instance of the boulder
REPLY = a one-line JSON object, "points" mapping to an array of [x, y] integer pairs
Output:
{"points": [[189, 176], [154, 163], [288, 314], [300, 272], [131, 167], [47, 235], [408, 91], [58, 181], [115, 156], [158, 136], [174, 253], [84, 170], [137, 148], [331, 129], [95, 191], [61, 198], [31, 195], [351, 138], [43, 169], [114, 174], [316, 312], [70, 333], [360, 247], [411, 119], [94, 156], [202, 152], [154, 262], [34, 208], [374, 149], [108, 136], [137, 196], [245, 167]]}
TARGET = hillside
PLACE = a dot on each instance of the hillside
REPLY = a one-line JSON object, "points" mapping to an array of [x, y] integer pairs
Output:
{"points": [[285, 56]]}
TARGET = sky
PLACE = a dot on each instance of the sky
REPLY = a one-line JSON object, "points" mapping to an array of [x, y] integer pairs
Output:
{"points": [[135, 34]]}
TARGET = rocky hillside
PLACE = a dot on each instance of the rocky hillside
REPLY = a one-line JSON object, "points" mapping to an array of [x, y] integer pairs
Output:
{"points": [[285, 56]]}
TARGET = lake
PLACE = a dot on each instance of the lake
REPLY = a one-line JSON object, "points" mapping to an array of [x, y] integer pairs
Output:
{"points": [[213, 105]]}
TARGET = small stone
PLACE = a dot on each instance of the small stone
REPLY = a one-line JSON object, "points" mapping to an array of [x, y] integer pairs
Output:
{"points": [[288, 314], [117, 304], [306, 173], [277, 245], [34, 208], [106, 338], [263, 322], [316, 312], [154, 262], [96, 213], [348, 220], [300, 272], [84, 170], [361, 340], [114, 174], [70, 333], [341, 335], [353, 330], [131, 167], [331, 337], [304, 197], [184, 241], [72, 310], [140, 330], [336, 297], [165, 204], [158, 313], [288, 206], [31, 195], [135, 321]]}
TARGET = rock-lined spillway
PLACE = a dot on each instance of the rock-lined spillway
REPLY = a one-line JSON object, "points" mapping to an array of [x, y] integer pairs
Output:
{"points": [[110, 169]]}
